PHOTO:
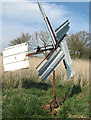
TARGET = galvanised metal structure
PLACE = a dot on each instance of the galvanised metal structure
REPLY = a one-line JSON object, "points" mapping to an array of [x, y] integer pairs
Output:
{"points": [[60, 52]]}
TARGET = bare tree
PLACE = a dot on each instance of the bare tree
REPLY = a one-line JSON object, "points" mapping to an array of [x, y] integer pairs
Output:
{"points": [[44, 37], [23, 38], [34, 39], [39, 39]]}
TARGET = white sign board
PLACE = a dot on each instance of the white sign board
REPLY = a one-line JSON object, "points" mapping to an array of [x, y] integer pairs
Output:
{"points": [[15, 57]]}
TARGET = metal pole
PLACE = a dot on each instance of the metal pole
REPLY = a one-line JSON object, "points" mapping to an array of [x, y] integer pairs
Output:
{"points": [[54, 103], [54, 95]]}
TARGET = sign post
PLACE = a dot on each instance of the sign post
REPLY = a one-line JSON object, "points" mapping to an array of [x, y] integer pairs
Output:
{"points": [[54, 103], [54, 95]]}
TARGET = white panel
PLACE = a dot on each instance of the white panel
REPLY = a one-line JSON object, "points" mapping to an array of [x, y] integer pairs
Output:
{"points": [[16, 66], [41, 65], [68, 62], [66, 51], [49, 60], [62, 30], [62, 26], [15, 58], [51, 66], [15, 49]]}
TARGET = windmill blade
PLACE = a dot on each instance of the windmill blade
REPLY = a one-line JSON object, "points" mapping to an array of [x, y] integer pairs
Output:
{"points": [[50, 30], [59, 53], [49, 65], [67, 59], [62, 30]]}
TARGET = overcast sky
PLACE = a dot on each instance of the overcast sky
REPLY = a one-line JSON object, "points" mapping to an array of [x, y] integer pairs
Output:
{"points": [[22, 17]]}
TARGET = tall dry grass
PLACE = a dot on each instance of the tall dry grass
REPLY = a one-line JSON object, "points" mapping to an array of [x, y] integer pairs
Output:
{"points": [[81, 68], [81, 76]]}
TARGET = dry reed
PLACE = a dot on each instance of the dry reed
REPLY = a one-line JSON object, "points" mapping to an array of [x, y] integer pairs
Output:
{"points": [[81, 72]]}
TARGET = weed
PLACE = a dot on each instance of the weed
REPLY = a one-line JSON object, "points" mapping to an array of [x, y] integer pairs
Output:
{"points": [[62, 114]]}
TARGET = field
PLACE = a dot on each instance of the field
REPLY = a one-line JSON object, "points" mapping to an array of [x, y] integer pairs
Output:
{"points": [[23, 93]]}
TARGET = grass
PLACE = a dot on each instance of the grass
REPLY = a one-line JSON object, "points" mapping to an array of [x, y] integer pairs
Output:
{"points": [[14, 78], [22, 104], [23, 93], [26, 102]]}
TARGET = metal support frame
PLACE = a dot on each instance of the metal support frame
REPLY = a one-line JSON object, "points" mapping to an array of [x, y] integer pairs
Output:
{"points": [[39, 52], [56, 40], [54, 95], [54, 103]]}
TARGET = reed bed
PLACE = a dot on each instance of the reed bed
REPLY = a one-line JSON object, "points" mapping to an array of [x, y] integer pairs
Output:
{"points": [[15, 78]]}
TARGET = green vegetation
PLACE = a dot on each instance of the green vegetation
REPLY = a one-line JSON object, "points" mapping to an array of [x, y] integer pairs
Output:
{"points": [[22, 104], [25, 102], [79, 45], [23, 94]]}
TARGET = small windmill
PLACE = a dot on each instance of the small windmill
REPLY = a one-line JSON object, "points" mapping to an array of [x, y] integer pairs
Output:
{"points": [[16, 57]]}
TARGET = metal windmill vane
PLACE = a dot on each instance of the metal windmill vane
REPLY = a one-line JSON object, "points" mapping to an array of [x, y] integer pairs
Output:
{"points": [[60, 51], [16, 57]]}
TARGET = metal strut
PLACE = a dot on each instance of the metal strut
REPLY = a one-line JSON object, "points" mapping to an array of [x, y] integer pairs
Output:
{"points": [[54, 95], [54, 103]]}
